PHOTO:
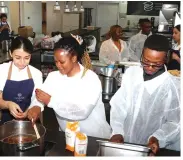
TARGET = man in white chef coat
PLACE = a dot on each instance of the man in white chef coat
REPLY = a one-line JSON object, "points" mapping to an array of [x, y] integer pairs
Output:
{"points": [[146, 108], [136, 42]]}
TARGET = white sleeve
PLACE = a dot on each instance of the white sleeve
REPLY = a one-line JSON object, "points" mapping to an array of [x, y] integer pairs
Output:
{"points": [[125, 53], [169, 132], [38, 81], [103, 54], [9, 26], [1, 78], [3, 75], [132, 49], [118, 111], [78, 102]]}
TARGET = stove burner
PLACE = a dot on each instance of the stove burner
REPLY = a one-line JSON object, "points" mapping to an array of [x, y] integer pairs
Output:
{"points": [[48, 146]]}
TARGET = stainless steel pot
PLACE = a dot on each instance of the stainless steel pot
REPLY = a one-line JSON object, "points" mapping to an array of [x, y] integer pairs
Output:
{"points": [[109, 84], [33, 148]]}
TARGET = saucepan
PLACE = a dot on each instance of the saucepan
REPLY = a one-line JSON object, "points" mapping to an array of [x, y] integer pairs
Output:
{"points": [[18, 138]]}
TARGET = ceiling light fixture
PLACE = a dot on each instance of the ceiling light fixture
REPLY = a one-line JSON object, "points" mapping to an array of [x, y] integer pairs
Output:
{"points": [[3, 7], [56, 7], [82, 8], [75, 9], [66, 9]]}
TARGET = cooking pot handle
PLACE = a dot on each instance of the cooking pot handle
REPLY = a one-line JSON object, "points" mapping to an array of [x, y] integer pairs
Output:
{"points": [[24, 148]]}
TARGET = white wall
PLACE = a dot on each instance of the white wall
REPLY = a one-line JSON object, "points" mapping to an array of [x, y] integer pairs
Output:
{"points": [[55, 21], [32, 15], [53, 18], [13, 17]]}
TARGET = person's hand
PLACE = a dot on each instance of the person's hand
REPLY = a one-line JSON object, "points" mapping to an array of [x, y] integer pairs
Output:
{"points": [[5, 27], [42, 96], [24, 115], [34, 113], [175, 56], [15, 109], [153, 144], [117, 138]]}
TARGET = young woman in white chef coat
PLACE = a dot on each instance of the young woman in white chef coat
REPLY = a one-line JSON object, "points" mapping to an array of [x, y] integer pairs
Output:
{"points": [[74, 91], [114, 49], [18, 81]]}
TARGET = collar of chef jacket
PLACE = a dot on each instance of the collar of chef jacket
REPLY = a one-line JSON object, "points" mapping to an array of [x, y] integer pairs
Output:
{"points": [[140, 33], [153, 84]]}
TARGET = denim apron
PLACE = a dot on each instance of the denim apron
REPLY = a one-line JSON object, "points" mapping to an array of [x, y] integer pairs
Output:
{"points": [[19, 92]]}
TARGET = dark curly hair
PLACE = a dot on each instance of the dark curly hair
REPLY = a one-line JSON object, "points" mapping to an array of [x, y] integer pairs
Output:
{"points": [[72, 46]]}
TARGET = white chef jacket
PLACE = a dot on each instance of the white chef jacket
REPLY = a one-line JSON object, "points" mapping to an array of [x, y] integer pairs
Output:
{"points": [[17, 75], [141, 109], [78, 99], [109, 53], [136, 44]]}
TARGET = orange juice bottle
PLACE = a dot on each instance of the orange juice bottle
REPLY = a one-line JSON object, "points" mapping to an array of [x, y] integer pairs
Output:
{"points": [[70, 134], [81, 144]]}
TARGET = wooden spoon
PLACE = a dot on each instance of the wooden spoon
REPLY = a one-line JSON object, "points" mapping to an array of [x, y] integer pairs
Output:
{"points": [[36, 130]]}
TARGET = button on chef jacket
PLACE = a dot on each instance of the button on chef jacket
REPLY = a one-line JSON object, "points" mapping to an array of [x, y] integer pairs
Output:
{"points": [[17, 75], [78, 99], [109, 53], [141, 109]]}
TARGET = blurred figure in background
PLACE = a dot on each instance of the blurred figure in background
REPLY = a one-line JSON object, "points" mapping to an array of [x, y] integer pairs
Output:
{"points": [[5, 28], [175, 52], [114, 49], [136, 42]]}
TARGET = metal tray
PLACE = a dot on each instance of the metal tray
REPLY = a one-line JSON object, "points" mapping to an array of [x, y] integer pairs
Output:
{"points": [[116, 149]]}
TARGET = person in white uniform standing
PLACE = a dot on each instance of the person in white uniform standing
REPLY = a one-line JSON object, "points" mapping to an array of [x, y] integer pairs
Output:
{"points": [[18, 81], [146, 108], [114, 49], [74, 91], [136, 42]]}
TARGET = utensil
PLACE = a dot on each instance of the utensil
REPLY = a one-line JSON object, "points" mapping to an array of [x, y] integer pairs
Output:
{"points": [[36, 130]]}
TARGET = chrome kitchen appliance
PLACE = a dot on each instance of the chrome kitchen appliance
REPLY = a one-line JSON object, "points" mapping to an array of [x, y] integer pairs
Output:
{"points": [[167, 17], [109, 82]]}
